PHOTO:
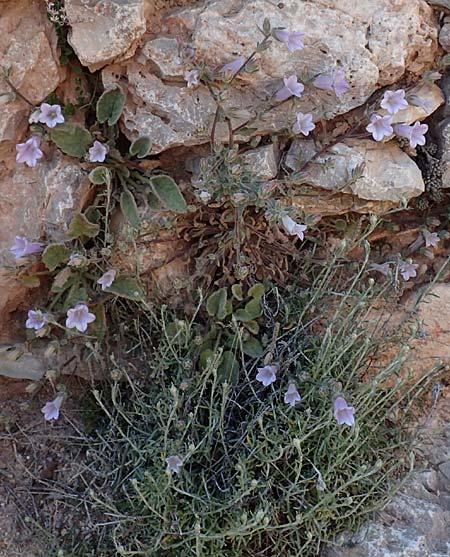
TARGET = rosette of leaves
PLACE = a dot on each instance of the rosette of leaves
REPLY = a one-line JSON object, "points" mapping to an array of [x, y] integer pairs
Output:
{"points": [[229, 311]]}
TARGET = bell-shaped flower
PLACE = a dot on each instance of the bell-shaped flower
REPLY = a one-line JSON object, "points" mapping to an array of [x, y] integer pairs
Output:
{"points": [[383, 268], [29, 152], [98, 152], [79, 318], [52, 408], [293, 40], [304, 124], [192, 78], [408, 269], [174, 464], [334, 82], [393, 101], [23, 247], [292, 395], [431, 238], [36, 319], [234, 66], [415, 134], [107, 279], [343, 413], [292, 88], [380, 126], [267, 374], [292, 227], [50, 115]]}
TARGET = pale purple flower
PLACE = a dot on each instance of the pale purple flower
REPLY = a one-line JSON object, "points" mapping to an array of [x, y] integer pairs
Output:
{"points": [[50, 114], [343, 413], [51, 409], [304, 124], [29, 152], [267, 375], [36, 319], [393, 101], [336, 82], [107, 279], [205, 196], [192, 78], [79, 318], [408, 269], [293, 40], [98, 151], [291, 87], [383, 268], [431, 238], [234, 66], [415, 134], [23, 247], [380, 126], [174, 464], [292, 395], [292, 227], [34, 116]]}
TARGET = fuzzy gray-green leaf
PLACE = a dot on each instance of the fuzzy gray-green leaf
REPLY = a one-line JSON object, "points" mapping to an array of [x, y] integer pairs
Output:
{"points": [[168, 192], [129, 208], [72, 139], [141, 147], [110, 105]]}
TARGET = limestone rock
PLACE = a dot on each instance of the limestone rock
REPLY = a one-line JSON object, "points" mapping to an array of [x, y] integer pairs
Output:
{"points": [[375, 44], [37, 203], [387, 174], [106, 30], [263, 161], [444, 36]]}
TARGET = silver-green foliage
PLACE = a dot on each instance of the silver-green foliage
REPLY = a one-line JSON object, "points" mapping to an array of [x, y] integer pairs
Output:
{"points": [[259, 477]]}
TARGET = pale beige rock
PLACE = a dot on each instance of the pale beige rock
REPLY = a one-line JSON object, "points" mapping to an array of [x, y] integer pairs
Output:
{"points": [[37, 203], [106, 30], [388, 174], [375, 44], [444, 37], [263, 161]]}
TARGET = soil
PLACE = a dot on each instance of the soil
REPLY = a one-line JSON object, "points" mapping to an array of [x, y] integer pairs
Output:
{"points": [[35, 461]]}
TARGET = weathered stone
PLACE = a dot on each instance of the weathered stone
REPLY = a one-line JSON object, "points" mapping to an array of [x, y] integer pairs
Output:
{"points": [[374, 43], [18, 363], [417, 522], [106, 30], [37, 203], [387, 174], [262, 161], [444, 37]]}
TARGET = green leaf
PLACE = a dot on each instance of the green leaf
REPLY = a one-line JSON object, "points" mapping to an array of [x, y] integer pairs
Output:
{"points": [[253, 308], [98, 327], [100, 175], [30, 281], [228, 370], [72, 139], [242, 315], [253, 348], [129, 208], [110, 105], [216, 304], [204, 357], [55, 255], [141, 147], [252, 326], [126, 287], [445, 60], [153, 202], [80, 226], [257, 291], [168, 192], [75, 294], [236, 290]]}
